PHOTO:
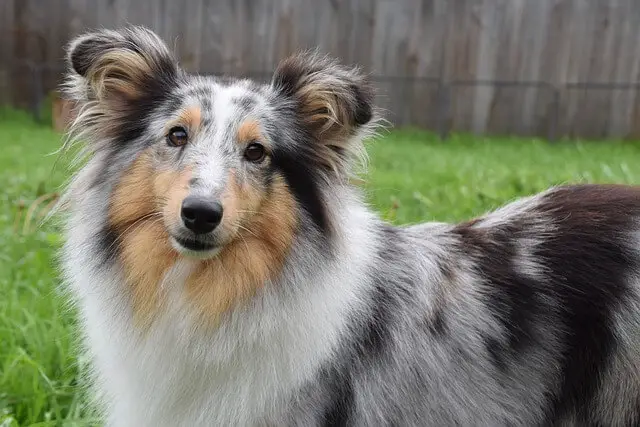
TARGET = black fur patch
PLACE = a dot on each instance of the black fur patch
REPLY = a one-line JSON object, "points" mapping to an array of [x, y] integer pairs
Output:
{"points": [[589, 262], [511, 298], [586, 259], [295, 160], [363, 97], [387, 296], [85, 52], [375, 335], [154, 92], [370, 335], [341, 400], [437, 325], [287, 77], [299, 170], [497, 352], [107, 244]]}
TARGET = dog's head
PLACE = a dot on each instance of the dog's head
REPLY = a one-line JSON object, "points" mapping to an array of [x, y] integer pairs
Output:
{"points": [[186, 167], [215, 159]]}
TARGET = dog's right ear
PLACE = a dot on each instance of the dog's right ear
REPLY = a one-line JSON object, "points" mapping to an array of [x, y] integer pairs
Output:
{"points": [[119, 65]]}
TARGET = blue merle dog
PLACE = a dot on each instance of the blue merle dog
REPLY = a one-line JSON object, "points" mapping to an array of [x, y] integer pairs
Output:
{"points": [[228, 272]]}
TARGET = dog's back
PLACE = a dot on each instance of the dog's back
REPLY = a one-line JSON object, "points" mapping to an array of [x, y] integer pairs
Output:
{"points": [[528, 316]]}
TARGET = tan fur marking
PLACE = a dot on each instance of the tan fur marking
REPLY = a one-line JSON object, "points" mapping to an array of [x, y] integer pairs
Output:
{"points": [[118, 71], [172, 188], [141, 203], [255, 255], [329, 118], [146, 256], [260, 228], [132, 197], [323, 110], [248, 131], [191, 117]]}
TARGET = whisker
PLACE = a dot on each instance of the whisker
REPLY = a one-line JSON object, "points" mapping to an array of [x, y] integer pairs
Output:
{"points": [[224, 270], [247, 230], [134, 224], [245, 243], [246, 246]]}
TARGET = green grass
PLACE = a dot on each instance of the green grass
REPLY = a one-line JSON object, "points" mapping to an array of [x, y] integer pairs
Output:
{"points": [[413, 177], [38, 365]]}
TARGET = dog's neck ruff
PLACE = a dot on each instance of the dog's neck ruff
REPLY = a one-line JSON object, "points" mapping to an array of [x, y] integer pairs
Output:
{"points": [[180, 372]]}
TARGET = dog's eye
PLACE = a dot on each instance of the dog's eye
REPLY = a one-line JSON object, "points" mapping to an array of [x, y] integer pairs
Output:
{"points": [[254, 152], [177, 136]]}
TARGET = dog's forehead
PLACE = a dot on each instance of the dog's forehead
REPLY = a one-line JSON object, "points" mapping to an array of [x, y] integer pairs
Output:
{"points": [[223, 101]]}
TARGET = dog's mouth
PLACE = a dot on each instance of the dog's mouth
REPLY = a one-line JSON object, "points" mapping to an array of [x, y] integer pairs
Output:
{"points": [[194, 246]]}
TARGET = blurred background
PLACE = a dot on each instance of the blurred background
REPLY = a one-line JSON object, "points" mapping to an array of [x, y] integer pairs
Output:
{"points": [[488, 100], [547, 68]]}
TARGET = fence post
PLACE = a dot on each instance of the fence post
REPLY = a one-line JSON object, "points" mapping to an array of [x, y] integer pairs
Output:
{"points": [[553, 115], [36, 84], [443, 110]]}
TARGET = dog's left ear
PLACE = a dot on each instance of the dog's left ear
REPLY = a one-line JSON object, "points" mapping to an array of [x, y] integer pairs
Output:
{"points": [[121, 65], [117, 79], [332, 101]]}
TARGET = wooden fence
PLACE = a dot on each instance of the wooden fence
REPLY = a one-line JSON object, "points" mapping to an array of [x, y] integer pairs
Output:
{"points": [[488, 66]]}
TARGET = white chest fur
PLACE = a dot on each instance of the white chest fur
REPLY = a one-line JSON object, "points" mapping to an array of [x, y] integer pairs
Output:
{"points": [[178, 375]]}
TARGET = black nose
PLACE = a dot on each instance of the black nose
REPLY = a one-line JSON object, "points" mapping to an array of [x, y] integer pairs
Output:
{"points": [[200, 215]]}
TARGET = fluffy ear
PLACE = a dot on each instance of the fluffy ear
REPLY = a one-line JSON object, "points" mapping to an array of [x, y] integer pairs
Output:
{"points": [[125, 64], [334, 102], [117, 79]]}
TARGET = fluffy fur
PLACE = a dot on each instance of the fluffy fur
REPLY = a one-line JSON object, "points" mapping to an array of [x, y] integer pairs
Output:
{"points": [[302, 307]]}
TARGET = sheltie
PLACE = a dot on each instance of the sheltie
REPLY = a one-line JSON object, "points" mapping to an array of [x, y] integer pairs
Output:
{"points": [[229, 273]]}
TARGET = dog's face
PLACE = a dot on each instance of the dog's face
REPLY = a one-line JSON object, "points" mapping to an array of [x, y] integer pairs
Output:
{"points": [[208, 167], [214, 161]]}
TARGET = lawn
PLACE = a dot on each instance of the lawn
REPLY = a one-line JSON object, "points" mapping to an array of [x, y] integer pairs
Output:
{"points": [[412, 177]]}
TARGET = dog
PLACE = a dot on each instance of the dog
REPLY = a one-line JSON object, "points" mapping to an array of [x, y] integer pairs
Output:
{"points": [[227, 271]]}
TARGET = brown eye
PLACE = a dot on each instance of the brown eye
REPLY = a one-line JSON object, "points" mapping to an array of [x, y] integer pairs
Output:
{"points": [[177, 136], [254, 152]]}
